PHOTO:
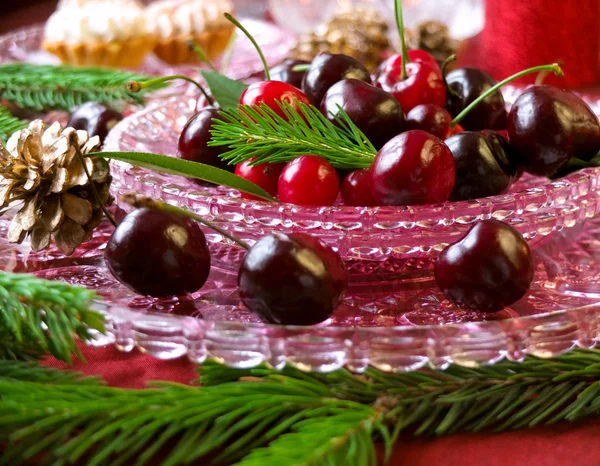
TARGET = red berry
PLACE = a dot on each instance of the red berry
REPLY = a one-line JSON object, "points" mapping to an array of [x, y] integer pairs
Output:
{"points": [[430, 118], [270, 93], [356, 188], [413, 168], [94, 118], [487, 270], [265, 175], [309, 180], [390, 70], [292, 279]]}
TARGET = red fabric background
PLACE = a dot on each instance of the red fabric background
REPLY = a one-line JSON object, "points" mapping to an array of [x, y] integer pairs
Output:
{"points": [[561, 445]]}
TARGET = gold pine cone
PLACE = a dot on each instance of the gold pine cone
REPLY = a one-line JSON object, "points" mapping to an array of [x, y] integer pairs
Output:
{"points": [[41, 170]]}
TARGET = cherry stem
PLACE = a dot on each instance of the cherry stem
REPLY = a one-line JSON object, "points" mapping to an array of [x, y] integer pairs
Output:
{"points": [[403, 49], [301, 67], [140, 201], [256, 46], [228, 54], [199, 51], [447, 61], [554, 68], [137, 86]]}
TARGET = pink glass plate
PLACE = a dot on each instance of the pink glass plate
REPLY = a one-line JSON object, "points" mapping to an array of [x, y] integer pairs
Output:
{"points": [[535, 206]]}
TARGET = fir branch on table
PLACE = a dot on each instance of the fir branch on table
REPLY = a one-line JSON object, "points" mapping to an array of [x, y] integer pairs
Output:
{"points": [[39, 317], [45, 87], [9, 124], [262, 416], [259, 132]]}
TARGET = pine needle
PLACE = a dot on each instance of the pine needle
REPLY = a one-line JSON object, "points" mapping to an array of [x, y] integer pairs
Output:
{"points": [[259, 132], [45, 87], [39, 317], [9, 124]]}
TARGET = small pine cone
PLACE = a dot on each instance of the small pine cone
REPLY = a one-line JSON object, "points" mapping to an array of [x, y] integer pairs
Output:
{"points": [[433, 37], [41, 170], [360, 33]]}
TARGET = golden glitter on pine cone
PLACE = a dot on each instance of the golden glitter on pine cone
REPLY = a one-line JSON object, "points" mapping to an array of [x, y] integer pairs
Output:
{"points": [[433, 37], [360, 33], [41, 168]]}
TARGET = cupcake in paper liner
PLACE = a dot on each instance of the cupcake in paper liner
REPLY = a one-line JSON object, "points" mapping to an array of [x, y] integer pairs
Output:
{"points": [[110, 33], [176, 22]]}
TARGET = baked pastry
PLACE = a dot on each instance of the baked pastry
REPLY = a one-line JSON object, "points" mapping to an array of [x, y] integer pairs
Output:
{"points": [[99, 32], [176, 22]]}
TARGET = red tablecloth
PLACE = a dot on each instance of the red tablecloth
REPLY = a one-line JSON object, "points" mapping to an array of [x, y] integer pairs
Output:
{"points": [[560, 445]]}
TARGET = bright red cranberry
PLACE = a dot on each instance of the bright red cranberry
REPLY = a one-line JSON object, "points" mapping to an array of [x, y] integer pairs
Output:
{"points": [[489, 269], [356, 188], [375, 112], [284, 72], [309, 180], [424, 83], [485, 164], [265, 175], [94, 118], [292, 279], [194, 138], [466, 84], [326, 70], [547, 126], [156, 253], [430, 118], [413, 168], [270, 93]]}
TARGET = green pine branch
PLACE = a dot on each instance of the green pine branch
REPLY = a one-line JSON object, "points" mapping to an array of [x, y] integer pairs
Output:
{"points": [[45, 87], [9, 124], [259, 132], [261, 416], [39, 317]]}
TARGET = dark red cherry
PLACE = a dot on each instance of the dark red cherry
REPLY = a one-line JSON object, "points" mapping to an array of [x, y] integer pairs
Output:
{"points": [[94, 118], [326, 70], [157, 253], [284, 72], [270, 93], [430, 118], [292, 279], [547, 126], [356, 188], [309, 180], [466, 84], [390, 71], [265, 175], [413, 168], [485, 164], [194, 138], [487, 270], [375, 112]]}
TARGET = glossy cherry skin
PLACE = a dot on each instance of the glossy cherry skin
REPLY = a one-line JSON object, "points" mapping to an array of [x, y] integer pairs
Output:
{"points": [[326, 70], [413, 168], [547, 126], [94, 118], [390, 71], [270, 93], [485, 164], [356, 188], [430, 118], [375, 112], [157, 253], [284, 72], [466, 85], [292, 279], [309, 180], [194, 138], [490, 268], [265, 175]]}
